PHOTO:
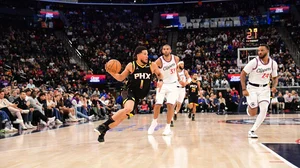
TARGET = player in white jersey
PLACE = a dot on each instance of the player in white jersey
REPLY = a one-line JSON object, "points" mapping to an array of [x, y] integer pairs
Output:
{"points": [[186, 79], [168, 66], [257, 92]]}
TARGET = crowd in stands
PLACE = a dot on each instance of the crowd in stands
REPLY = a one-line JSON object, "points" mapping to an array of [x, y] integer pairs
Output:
{"points": [[112, 32]]}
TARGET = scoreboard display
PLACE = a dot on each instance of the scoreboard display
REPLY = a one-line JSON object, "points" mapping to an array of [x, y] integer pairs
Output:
{"points": [[252, 37]]}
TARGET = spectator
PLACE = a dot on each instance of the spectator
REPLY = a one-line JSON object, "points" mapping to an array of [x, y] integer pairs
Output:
{"points": [[30, 85]]}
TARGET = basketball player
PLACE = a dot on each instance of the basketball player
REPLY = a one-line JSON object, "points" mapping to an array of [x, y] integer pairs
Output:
{"points": [[257, 92], [139, 73], [194, 92], [184, 77], [168, 66]]}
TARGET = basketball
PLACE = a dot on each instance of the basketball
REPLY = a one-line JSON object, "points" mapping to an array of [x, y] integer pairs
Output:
{"points": [[113, 66]]}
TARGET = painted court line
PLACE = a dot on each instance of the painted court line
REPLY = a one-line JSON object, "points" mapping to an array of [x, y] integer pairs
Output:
{"points": [[278, 156]]}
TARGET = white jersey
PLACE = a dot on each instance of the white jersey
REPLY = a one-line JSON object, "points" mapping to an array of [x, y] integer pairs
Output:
{"points": [[259, 73], [182, 77], [169, 70]]}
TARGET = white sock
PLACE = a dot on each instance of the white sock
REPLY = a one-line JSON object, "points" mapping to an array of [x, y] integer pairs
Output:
{"points": [[168, 126], [155, 120], [263, 108]]}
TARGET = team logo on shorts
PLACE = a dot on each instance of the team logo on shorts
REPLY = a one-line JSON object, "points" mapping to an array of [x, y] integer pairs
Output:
{"points": [[252, 104]]}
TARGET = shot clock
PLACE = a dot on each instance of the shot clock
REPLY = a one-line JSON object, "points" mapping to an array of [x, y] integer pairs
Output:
{"points": [[252, 37]]}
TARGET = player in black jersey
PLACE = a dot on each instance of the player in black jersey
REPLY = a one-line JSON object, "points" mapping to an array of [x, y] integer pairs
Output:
{"points": [[139, 73], [194, 92]]}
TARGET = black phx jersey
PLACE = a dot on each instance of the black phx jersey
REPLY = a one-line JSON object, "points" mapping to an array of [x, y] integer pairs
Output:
{"points": [[193, 92], [140, 80]]}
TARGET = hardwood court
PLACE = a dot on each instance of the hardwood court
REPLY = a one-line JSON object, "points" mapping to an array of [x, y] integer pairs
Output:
{"points": [[206, 142]]}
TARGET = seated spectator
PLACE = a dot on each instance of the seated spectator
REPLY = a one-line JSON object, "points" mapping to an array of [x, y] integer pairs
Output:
{"points": [[79, 110], [274, 104], [11, 110], [27, 112], [144, 108], [222, 104]]}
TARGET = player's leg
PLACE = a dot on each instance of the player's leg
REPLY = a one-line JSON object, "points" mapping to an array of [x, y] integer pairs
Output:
{"points": [[190, 108], [252, 102], [181, 95], [171, 96], [263, 99], [115, 120], [194, 111], [160, 96]]}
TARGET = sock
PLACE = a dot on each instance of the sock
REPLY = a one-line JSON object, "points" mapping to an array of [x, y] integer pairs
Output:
{"points": [[263, 107], [168, 126], [155, 120], [109, 121], [175, 112], [193, 115]]}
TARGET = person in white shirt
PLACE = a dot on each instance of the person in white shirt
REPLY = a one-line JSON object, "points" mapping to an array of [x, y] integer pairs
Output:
{"points": [[30, 85], [257, 92], [7, 106]]}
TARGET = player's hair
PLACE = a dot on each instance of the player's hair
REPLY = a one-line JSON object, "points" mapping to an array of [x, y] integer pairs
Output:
{"points": [[137, 51], [265, 45]]}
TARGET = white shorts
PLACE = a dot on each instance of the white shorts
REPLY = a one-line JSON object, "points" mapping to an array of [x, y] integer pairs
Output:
{"points": [[168, 91], [181, 94], [257, 95]]}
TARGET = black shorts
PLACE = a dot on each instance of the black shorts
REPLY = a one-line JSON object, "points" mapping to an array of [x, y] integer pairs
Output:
{"points": [[128, 95], [193, 99]]}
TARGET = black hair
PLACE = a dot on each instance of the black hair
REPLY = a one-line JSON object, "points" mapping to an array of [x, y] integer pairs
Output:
{"points": [[137, 51], [265, 45]]}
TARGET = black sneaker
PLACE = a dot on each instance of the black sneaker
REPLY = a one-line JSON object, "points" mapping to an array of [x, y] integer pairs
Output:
{"points": [[175, 117], [101, 130], [172, 124], [101, 137], [193, 118], [190, 114]]}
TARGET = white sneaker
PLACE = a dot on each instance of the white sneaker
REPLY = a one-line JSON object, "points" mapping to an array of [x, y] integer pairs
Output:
{"points": [[18, 121], [24, 127], [13, 129], [43, 123], [28, 126], [51, 120], [57, 121], [167, 132], [152, 127], [31, 126], [91, 117], [7, 130], [25, 111], [251, 134]]}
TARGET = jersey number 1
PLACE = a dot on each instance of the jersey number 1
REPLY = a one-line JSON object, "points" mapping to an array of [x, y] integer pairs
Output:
{"points": [[265, 75]]}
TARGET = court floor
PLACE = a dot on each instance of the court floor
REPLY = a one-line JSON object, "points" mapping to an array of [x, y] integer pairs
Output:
{"points": [[210, 141]]}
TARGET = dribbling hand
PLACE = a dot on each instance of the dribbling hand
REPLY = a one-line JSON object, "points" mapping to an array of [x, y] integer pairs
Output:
{"points": [[245, 93]]}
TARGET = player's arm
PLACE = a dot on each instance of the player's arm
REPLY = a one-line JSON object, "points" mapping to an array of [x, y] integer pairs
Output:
{"points": [[188, 77], [243, 79], [154, 69], [247, 69], [178, 77], [120, 77], [274, 77], [198, 83]]}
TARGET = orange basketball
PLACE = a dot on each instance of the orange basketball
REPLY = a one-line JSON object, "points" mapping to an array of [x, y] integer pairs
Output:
{"points": [[113, 66]]}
